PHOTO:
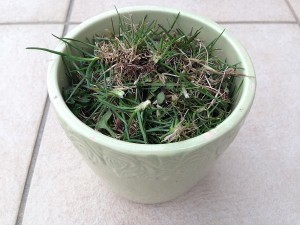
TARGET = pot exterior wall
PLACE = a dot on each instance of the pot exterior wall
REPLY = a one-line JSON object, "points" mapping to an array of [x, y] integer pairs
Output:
{"points": [[149, 178]]}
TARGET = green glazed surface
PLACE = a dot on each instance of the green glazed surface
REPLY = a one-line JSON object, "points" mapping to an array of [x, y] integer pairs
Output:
{"points": [[143, 172]]}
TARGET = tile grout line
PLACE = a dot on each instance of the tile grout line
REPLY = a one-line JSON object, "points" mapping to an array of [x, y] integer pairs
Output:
{"points": [[30, 172], [293, 12], [68, 17], [257, 22], [32, 163], [220, 22], [32, 23]]}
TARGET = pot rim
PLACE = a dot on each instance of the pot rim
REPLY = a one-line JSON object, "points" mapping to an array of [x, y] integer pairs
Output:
{"points": [[234, 119]]}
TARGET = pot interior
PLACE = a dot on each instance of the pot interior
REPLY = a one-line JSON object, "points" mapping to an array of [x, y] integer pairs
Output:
{"points": [[210, 30]]}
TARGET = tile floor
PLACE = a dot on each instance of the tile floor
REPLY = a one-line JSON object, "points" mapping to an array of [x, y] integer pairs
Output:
{"points": [[43, 180]]}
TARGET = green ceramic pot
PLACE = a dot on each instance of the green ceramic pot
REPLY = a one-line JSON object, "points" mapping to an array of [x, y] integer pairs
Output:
{"points": [[160, 172]]}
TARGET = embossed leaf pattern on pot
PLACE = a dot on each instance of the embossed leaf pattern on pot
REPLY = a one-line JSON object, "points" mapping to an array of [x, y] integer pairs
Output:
{"points": [[186, 162], [124, 165], [90, 151], [151, 166], [87, 149], [156, 167]]}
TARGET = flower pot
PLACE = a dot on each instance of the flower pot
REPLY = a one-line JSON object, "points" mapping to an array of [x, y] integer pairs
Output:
{"points": [[159, 172]]}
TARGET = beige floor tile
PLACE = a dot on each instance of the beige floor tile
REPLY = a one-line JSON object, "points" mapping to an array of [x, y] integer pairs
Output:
{"points": [[296, 6], [22, 97], [231, 10], [33, 11], [256, 181]]}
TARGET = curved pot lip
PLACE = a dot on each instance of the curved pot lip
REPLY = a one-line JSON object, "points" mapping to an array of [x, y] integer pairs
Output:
{"points": [[233, 120]]}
